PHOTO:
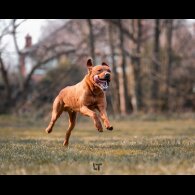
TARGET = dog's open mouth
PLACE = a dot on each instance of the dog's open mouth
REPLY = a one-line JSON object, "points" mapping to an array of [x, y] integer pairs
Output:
{"points": [[103, 83]]}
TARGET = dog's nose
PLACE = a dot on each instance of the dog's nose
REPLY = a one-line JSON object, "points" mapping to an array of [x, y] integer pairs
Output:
{"points": [[107, 76]]}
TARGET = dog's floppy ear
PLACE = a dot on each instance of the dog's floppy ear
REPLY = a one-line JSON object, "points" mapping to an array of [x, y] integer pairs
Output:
{"points": [[104, 64]]}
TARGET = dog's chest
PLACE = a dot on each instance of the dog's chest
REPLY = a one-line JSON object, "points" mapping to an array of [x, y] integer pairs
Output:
{"points": [[92, 100]]}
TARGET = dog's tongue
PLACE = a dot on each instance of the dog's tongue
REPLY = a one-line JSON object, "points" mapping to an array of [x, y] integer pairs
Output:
{"points": [[103, 84]]}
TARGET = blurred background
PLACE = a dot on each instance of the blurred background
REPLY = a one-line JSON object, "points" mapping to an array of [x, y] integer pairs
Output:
{"points": [[152, 62]]}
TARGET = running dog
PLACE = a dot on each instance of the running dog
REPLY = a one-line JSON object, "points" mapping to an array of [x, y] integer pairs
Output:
{"points": [[85, 97]]}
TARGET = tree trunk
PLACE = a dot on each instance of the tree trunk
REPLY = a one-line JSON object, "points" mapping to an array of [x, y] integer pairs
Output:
{"points": [[115, 89], [5, 80], [137, 67], [21, 79], [133, 26], [122, 76], [169, 61], [91, 40], [156, 66]]}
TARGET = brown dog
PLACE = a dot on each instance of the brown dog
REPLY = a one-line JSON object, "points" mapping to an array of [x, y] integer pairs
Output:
{"points": [[84, 97]]}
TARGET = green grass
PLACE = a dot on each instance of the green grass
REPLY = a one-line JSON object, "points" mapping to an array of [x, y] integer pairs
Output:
{"points": [[135, 146]]}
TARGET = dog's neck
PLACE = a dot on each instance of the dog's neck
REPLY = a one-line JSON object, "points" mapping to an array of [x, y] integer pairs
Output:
{"points": [[94, 88]]}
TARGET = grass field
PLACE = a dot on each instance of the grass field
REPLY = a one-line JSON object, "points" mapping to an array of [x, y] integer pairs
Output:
{"points": [[135, 146]]}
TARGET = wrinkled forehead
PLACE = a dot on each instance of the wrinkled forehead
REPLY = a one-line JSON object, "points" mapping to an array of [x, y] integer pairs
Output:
{"points": [[100, 67]]}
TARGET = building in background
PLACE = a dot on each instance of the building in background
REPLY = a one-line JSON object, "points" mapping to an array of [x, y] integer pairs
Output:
{"points": [[68, 44]]}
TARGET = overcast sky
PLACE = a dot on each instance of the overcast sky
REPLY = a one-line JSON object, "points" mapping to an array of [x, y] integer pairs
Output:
{"points": [[30, 26]]}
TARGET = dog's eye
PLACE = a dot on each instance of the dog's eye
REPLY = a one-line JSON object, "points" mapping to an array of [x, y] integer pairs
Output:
{"points": [[100, 70], [109, 70]]}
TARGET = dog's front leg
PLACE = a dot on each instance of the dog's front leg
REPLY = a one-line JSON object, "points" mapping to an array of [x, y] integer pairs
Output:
{"points": [[86, 111], [104, 117]]}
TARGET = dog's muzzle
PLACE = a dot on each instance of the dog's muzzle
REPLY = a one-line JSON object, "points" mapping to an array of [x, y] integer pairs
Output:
{"points": [[107, 76], [103, 83]]}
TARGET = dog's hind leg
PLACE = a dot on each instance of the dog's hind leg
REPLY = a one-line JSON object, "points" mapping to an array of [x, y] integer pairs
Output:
{"points": [[56, 112], [72, 122]]}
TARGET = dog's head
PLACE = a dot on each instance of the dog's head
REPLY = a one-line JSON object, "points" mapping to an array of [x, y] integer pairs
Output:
{"points": [[100, 74]]}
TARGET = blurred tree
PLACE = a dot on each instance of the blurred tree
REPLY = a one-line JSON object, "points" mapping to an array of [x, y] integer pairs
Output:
{"points": [[4, 74], [156, 65], [169, 37], [15, 25], [115, 89], [51, 25], [122, 75], [4, 31], [137, 66], [91, 40]]}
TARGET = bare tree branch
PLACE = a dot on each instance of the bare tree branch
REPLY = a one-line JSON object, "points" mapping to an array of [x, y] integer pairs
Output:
{"points": [[5, 31], [125, 31], [28, 78], [14, 26], [17, 25]]}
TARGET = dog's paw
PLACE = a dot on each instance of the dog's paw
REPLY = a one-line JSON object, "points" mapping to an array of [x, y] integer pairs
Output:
{"points": [[100, 130], [48, 130], [110, 128], [99, 127], [65, 144]]}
